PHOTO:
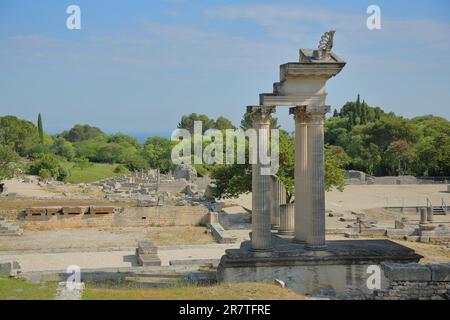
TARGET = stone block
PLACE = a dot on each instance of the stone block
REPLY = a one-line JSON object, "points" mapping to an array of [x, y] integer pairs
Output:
{"points": [[148, 260], [74, 210], [213, 217], [9, 268], [101, 210], [440, 272], [400, 232], [406, 272], [35, 211], [146, 247], [53, 211]]}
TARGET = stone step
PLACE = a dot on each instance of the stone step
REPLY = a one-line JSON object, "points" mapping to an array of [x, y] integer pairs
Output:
{"points": [[11, 233], [148, 260]]}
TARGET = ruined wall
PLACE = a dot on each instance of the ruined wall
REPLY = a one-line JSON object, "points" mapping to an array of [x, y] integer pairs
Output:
{"points": [[167, 215], [414, 281]]}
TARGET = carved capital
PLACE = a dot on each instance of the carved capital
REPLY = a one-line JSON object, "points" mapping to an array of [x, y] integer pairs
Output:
{"points": [[300, 114], [261, 114]]}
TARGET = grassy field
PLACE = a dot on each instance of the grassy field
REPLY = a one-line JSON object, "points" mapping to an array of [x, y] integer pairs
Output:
{"points": [[179, 235], [97, 171], [17, 289], [235, 291]]}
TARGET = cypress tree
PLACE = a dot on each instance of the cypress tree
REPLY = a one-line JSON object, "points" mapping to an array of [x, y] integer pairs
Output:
{"points": [[40, 129], [358, 106], [335, 113]]}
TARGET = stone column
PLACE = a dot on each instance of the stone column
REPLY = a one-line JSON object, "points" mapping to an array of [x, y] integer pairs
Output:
{"points": [[302, 197], [315, 235], [279, 198], [261, 238], [286, 219]]}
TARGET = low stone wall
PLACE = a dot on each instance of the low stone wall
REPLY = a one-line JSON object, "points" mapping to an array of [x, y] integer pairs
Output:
{"points": [[167, 215], [414, 281]]}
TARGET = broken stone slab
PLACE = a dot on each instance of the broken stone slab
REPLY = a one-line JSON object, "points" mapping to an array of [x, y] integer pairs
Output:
{"points": [[218, 232], [399, 224], [440, 272], [400, 232], [406, 271]]}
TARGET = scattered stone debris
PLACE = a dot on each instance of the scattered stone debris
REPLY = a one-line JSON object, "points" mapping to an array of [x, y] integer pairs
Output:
{"points": [[280, 283], [8, 229]]}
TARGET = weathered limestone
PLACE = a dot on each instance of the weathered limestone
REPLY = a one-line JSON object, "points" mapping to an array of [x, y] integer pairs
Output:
{"points": [[302, 199], [147, 254], [279, 198], [286, 219], [423, 216], [413, 281], [261, 183], [430, 214], [9, 268]]}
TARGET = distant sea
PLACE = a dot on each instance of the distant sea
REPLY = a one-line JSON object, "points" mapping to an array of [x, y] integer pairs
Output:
{"points": [[142, 136]]}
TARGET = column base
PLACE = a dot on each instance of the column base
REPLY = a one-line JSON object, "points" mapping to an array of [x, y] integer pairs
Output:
{"points": [[295, 240], [315, 247], [275, 226], [262, 253], [285, 233]]}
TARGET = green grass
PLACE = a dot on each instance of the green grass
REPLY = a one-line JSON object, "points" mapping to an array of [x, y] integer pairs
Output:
{"points": [[97, 171], [235, 291], [18, 289]]}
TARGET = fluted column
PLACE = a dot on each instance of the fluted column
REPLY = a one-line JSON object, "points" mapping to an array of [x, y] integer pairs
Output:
{"points": [[279, 198], [302, 196], [286, 219], [261, 183], [315, 235]]}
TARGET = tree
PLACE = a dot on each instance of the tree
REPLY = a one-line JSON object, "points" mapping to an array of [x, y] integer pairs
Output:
{"points": [[335, 113], [187, 122], [398, 157], [8, 162], [63, 148], [20, 135], [223, 123], [83, 132], [158, 151], [40, 129]]}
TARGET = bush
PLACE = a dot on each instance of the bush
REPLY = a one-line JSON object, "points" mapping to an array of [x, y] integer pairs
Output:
{"points": [[47, 166], [45, 173], [82, 163], [120, 169]]}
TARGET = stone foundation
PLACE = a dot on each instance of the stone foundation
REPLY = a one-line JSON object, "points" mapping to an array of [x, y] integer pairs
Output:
{"points": [[340, 271], [415, 282]]}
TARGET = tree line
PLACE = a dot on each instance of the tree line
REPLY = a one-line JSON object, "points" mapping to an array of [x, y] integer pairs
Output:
{"points": [[357, 136]]}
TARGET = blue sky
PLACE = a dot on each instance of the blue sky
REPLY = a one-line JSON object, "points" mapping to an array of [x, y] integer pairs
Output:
{"points": [[137, 66]]}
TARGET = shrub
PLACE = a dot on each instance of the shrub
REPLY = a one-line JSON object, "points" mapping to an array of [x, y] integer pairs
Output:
{"points": [[120, 169]]}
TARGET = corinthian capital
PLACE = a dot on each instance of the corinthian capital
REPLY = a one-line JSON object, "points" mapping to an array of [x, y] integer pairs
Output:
{"points": [[261, 114]]}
